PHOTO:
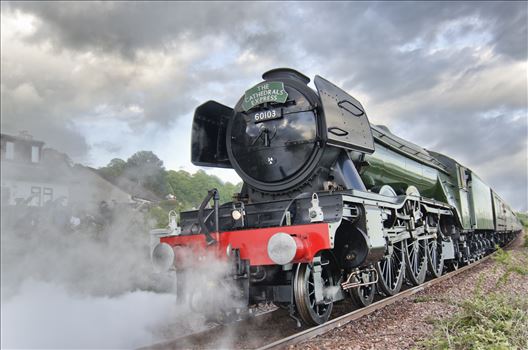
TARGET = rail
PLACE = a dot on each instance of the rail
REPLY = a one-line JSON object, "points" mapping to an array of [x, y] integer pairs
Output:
{"points": [[357, 314], [206, 337]]}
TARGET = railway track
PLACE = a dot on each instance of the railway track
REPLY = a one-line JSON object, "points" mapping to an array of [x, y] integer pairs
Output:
{"points": [[205, 338], [263, 329], [357, 314]]}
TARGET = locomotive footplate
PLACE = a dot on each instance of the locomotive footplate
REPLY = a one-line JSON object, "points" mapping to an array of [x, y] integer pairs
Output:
{"points": [[240, 216]]}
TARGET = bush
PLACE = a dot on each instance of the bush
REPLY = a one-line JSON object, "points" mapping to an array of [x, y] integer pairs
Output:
{"points": [[492, 321], [158, 217]]}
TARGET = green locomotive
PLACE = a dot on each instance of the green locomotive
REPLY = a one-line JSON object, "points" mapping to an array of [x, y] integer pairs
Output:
{"points": [[331, 206]]}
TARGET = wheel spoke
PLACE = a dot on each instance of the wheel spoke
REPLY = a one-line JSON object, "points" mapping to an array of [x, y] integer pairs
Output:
{"points": [[389, 279], [390, 271], [304, 292]]}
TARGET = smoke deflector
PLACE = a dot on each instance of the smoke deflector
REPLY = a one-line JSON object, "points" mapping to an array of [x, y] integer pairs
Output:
{"points": [[347, 124]]}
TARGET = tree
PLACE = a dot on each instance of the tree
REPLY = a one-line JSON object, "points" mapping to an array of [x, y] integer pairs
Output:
{"points": [[146, 169], [190, 190], [113, 170]]}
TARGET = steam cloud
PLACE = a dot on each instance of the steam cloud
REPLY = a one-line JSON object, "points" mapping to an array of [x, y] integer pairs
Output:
{"points": [[91, 285]]}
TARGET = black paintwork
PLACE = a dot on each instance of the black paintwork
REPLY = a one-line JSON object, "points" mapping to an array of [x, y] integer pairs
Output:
{"points": [[289, 150], [265, 214]]}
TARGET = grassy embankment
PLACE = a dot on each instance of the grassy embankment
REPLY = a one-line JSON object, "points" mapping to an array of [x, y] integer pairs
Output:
{"points": [[497, 320]]}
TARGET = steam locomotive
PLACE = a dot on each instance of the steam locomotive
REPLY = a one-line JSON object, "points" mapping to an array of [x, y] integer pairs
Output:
{"points": [[331, 206]]}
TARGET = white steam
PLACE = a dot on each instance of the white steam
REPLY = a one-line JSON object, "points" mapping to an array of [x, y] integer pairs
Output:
{"points": [[92, 285], [45, 315]]}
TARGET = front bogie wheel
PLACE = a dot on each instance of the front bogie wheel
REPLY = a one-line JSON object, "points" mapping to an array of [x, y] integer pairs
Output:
{"points": [[311, 312], [364, 295]]}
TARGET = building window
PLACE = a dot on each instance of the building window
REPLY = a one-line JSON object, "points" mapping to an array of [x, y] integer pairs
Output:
{"points": [[35, 154], [10, 150], [35, 195], [6, 195], [47, 195]]}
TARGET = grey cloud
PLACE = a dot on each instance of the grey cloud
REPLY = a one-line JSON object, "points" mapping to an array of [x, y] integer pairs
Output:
{"points": [[419, 64], [108, 146], [490, 137], [493, 146], [25, 108], [362, 41], [356, 28], [55, 135], [126, 27], [511, 28]]}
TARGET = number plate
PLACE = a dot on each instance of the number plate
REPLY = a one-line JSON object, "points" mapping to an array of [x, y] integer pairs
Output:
{"points": [[263, 116]]}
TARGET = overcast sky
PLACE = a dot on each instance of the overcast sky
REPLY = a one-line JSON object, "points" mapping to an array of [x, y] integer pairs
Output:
{"points": [[104, 80]]}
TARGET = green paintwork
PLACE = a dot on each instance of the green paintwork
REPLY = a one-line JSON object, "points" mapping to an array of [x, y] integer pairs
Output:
{"points": [[457, 185], [464, 203], [387, 167], [504, 216], [450, 188], [482, 210]]}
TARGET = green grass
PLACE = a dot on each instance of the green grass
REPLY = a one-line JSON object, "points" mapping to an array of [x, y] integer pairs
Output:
{"points": [[428, 298], [423, 299], [492, 321], [523, 217], [486, 320], [510, 264]]}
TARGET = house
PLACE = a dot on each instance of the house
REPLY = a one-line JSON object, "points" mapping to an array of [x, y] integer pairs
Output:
{"points": [[33, 176], [24, 178]]}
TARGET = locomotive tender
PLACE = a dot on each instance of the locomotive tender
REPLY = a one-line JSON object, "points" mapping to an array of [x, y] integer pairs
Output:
{"points": [[331, 206]]}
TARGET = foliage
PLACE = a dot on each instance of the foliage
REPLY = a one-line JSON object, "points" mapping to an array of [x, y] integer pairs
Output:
{"points": [[428, 298], [143, 168], [510, 264], [190, 189], [113, 170], [158, 217], [492, 321], [524, 218], [146, 169], [524, 221]]}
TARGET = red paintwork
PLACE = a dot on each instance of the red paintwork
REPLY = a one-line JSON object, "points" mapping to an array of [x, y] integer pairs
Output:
{"points": [[253, 243]]}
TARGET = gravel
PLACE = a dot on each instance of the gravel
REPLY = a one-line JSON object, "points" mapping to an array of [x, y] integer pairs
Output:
{"points": [[404, 324], [398, 326]]}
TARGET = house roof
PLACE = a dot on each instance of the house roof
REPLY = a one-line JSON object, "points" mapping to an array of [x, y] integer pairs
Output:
{"points": [[23, 138]]}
